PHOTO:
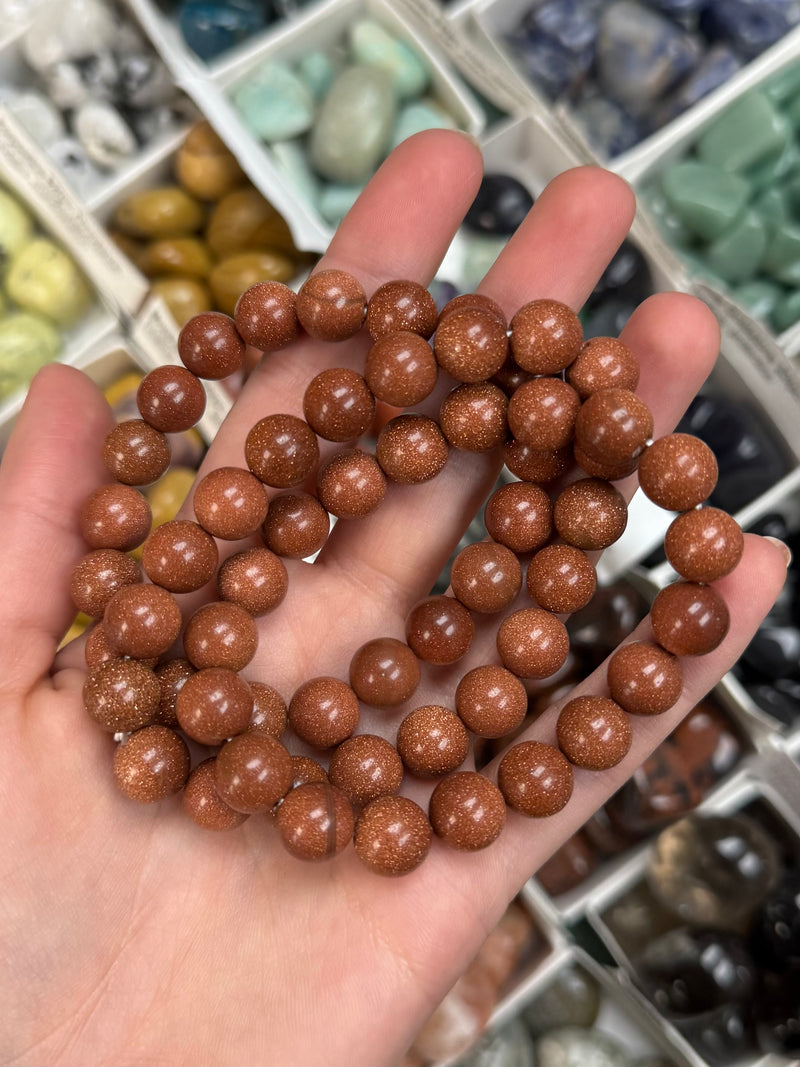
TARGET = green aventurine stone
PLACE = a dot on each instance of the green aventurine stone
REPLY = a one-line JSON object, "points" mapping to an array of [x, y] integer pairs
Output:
{"points": [[758, 297], [27, 343], [736, 254], [769, 172], [792, 111], [335, 201], [748, 132], [782, 257], [784, 85], [351, 134], [773, 205], [274, 103], [317, 72], [787, 312], [700, 269], [371, 44], [668, 222], [705, 198], [414, 118]]}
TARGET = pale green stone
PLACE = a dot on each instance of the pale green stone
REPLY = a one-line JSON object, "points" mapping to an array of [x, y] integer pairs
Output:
{"points": [[767, 173], [773, 205], [370, 43], [782, 257], [737, 253], [317, 72], [16, 227], [668, 222], [792, 111], [291, 159], [351, 134], [748, 132], [423, 115], [274, 103], [335, 201], [785, 85], [43, 279], [480, 254], [758, 297], [700, 270], [705, 198], [27, 343], [787, 312]]}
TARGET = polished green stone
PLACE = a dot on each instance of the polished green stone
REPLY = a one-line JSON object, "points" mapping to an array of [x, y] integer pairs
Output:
{"points": [[746, 133], [784, 86], [787, 312], [27, 343], [351, 134], [705, 198], [737, 253], [792, 111], [291, 159], [416, 117], [773, 205], [669, 224], [782, 257], [700, 269], [317, 72], [274, 103], [770, 171], [334, 201], [758, 297], [370, 43]]}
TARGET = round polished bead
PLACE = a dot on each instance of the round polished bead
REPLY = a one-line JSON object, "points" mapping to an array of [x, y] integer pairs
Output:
{"points": [[542, 413], [203, 804], [491, 701], [252, 772], [171, 399], [532, 465], [613, 426], [546, 336], [365, 767], [210, 347], [411, 449], [603, 363], [532, 643], [213, 705], [142, 621], [535, 779], [590, 514], [266, 316], [220, 635], [269, 710], [510, 377], [331, 305], [470, 344], [384, 672], [98, 576], [704, 545], [134, 453], [689, 619], [121, 695], [467, 811], [97, 650], [519, 515], [296, 525], [305, 770], [439, 630], [401, 305], [180, 556], [315, 821], [392, 836], [678, 472], [281, 450], [323, 712], [115, 516], [474, 301], [338, 404], [230, 503], [255, 579], [609, 471], [644, 679], [351, 484], [485, 577], [594, 733], [473, 417], [400, 369], [431, 741], [561, 578], [172, 677], [151, 764]]}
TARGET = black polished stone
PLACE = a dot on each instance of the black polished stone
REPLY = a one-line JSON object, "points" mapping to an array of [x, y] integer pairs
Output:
{"points": [[781, 700], [774, 652], [694, 969], [777, 1014], [500, 206], [775, 929], [627, 277]]}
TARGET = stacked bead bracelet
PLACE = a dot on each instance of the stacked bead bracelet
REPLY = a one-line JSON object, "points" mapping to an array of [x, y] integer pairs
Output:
{"points": [[536, 390]]}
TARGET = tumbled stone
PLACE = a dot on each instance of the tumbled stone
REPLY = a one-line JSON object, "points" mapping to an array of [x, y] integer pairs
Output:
{"points": [[417, 116], [372, 45], [745, 134], [211, 27], [43, 279], [351, 132], [274, 103], [707, 199]]}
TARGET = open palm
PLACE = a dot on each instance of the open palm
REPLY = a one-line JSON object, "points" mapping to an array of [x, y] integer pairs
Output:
{"points": [[127, 934]]}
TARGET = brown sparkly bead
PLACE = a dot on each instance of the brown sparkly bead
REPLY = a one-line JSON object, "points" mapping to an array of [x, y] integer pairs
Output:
{"points": [[644, 679], [384, 672], [315, 821], [546, 336], [115, 516], [535, 779], [600, 468], [603, 363], [704, 545], [485, 577], [255, 579], [411, 449], [269, 710], [531, 465], [542, 413], [230, 503], [590, 514], [365, 767], [252, 772], [689, 619], [97, 650], [473, 417], [439, 630], [266, 316], [209, 346], [203, 804], [220, 635], [331, 305], [401, 305], [392, 836], [561, 578], [281, 450], [142, 620], [470, 344], [491, 701], [213, 705], [400, 369], [172, 677], [305, 770], [678, 472], [152, 764], [171, 399], [323, 712], [510, 377], [134, 453], [532, 643], [594, 733], [296, 525], [98, 576], [351, 484], [613, 426], [121, 695], [467, 811], [338, 404], [180, 556], [474, 301], [431, 741], [520, 516]]}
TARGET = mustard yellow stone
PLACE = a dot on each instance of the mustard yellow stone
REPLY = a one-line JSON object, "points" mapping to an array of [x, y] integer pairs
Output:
{"points": [[185, 297], [233, 275], [205, 167], [184, 256], [164, 212], [242, 221]]}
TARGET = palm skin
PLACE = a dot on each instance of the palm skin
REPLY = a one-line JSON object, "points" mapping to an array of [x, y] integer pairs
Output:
{"points": [[131, 936]]}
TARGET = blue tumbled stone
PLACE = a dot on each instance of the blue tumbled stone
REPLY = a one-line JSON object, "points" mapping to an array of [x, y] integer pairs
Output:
{"points": [[749, 26], [212, 28], [573, 23], [715, 68], [549, 65], [608, 127]]}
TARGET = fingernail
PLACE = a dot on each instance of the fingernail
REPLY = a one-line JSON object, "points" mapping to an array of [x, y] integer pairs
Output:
{"points": [[783, 547]]}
